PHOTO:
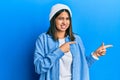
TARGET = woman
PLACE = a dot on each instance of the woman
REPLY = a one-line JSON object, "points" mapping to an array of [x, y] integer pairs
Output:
{"points": [[59, 53]]}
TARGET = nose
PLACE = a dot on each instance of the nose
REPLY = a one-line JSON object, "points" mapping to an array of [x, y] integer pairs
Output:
{"points": [[64, 21]]}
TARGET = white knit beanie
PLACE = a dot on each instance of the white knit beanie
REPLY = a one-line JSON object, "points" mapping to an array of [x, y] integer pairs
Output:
{"points": [[58, 7]]}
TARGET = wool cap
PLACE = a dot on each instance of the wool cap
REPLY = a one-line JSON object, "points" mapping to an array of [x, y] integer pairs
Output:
{"points": [[58, 7]]}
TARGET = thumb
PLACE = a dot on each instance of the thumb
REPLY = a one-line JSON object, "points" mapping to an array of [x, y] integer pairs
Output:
{"points": [[102, 43]]}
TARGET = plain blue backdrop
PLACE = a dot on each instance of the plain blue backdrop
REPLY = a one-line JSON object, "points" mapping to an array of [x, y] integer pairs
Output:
{"points": [[21, 22]]}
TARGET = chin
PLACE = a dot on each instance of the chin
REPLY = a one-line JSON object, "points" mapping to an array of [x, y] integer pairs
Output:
{"points": [[63, 30]]}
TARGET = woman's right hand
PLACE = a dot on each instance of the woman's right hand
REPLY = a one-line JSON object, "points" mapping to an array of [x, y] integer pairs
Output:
{"points": [[66, 46]]}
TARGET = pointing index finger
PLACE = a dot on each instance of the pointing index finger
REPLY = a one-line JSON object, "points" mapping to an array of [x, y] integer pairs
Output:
{"points": [[108, 46], [72, 42]]}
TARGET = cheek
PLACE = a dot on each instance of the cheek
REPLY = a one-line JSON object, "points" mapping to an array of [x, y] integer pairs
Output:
{"points": [[58, 22], [68, 22]]}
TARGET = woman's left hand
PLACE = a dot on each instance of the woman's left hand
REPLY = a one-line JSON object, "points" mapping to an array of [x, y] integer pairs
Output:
{"points": [[101, 50]]}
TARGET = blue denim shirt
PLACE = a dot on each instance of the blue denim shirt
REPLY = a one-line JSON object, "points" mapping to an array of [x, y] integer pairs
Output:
{"points": [[47, 55]]}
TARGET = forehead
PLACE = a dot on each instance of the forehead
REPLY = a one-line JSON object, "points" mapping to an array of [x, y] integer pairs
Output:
{"points": [[63, 14]]}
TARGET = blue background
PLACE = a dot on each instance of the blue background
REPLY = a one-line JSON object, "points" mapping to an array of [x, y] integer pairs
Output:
{"points": [[21, 22]]}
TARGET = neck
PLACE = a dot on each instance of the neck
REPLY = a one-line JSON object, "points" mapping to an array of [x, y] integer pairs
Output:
{"points": [[60, 35]]}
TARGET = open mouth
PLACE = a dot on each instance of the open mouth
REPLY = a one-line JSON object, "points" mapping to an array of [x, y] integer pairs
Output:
{"points": [[63, 27]]}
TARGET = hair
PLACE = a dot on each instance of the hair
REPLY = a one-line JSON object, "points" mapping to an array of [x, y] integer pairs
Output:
{"points": [[52, 29]]}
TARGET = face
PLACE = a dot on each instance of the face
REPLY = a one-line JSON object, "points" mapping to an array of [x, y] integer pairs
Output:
{"points": [[62, 22]]}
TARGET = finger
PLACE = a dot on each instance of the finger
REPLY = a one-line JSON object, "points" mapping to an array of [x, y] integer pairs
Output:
{"points": [[103, 53], [102, 43], [100, 53], [72, 42], [108, 46]]}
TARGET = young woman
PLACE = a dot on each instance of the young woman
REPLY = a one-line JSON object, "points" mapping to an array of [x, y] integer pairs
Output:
{"points": [[59, 53]]}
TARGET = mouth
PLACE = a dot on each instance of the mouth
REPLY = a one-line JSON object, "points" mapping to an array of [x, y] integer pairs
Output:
{"points": [[63, 27]]}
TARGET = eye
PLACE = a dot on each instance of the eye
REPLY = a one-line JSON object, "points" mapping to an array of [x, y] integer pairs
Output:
{"points": [[68, 18], [60, 18]]}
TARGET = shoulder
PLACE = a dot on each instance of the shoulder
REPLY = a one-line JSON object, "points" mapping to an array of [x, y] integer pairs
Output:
{"points": [[44, 35], [77, 37], [41, 37], [79, 41]]}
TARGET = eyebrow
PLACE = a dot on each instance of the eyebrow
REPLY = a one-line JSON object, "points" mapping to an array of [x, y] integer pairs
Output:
{"points": [[63, 17]]}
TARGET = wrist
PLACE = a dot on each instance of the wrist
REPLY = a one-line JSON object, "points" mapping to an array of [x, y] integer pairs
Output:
{"points": [[95, 56]]}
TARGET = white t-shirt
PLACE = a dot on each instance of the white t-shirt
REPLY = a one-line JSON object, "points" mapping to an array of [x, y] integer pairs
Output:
{"points": [[65, 64]]}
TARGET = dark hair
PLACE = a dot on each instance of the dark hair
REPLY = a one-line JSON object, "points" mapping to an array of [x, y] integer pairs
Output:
{"points": [[52, 29]]}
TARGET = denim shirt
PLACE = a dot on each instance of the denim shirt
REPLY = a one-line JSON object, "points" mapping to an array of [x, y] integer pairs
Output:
{"points": [[47, 54]]}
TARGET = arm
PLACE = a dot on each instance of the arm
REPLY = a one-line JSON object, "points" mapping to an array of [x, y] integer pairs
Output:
{"points": [[100, 51], [42, 61], [90, 60]]}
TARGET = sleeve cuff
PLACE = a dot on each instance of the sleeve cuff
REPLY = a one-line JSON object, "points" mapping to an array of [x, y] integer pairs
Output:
{"points": [[96, 58]]}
